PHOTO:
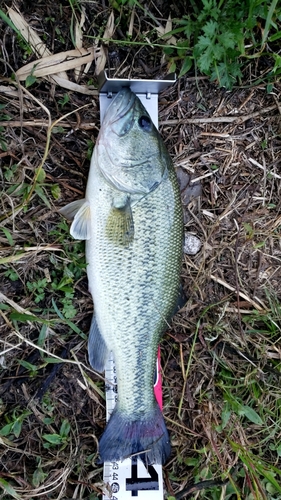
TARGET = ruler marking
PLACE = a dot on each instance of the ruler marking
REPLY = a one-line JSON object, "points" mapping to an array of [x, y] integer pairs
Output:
{"points": [[130, 478]]}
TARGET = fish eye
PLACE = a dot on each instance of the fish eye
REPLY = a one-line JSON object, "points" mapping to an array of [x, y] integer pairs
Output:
{"points": [[145, 123]]}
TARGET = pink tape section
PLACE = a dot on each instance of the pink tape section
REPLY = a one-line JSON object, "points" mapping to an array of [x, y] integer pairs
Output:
{"points": [[158, 381]]}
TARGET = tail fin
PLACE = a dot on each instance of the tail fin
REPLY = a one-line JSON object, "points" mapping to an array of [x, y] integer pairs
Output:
{"points": [[124, 437]]}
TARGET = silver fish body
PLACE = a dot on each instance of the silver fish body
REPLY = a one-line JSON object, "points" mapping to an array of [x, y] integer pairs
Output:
{"points": [[131, 219]]}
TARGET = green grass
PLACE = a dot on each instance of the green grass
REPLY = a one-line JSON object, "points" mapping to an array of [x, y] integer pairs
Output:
{"points": [[218, 37], [249, 397], [215, 37]]}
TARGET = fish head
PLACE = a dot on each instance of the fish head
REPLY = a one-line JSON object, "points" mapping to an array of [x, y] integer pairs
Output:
{"points": [[130, 152]]}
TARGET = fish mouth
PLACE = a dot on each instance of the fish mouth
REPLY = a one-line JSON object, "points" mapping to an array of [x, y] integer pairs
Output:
{"points": [[121, 105]]}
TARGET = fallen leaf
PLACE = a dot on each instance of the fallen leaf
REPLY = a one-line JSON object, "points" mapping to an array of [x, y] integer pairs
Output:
{"points": [[163, 31]]}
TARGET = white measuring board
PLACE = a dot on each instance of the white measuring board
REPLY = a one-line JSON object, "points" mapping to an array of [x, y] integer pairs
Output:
{"points": [[146, 90], [130, 478]]}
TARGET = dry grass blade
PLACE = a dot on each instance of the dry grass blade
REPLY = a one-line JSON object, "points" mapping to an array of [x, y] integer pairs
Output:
{"points": [[31, 37], [257, 164], [222, 119], [44, 123], [75, 87], [56, 64], [9, 91], [51, 66], [100, 59], [100, 50], [56, 482], [78, 35], [110, 27], [12, 303]]}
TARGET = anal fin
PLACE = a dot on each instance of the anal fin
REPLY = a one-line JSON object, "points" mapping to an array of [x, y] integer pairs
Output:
{"points": [[97, 349]]}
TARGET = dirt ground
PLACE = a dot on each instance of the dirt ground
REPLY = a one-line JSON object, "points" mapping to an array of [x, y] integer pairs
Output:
{"points": [[225, 146]]}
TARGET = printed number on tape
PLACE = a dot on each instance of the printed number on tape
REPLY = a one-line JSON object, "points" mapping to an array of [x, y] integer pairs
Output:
{"points": [[131, 478]]}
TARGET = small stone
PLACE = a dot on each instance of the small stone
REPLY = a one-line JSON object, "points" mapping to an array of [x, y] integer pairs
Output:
{"points": [[192, 244]]}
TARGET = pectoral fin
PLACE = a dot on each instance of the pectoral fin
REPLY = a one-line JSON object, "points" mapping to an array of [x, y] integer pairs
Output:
{"points": [[120, 224], [70, 210], [79, 211]]}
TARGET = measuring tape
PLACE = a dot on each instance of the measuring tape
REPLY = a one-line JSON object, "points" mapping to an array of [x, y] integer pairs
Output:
{"points": [[130, 478]]}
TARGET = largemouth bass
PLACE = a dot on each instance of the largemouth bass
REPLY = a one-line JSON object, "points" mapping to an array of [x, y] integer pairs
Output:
{"points": [[131, 219]]}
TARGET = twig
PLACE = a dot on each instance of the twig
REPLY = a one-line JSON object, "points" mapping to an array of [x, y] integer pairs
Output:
{"points": [[232, 289], [200, 486], [254, 162], [188, 367], [44, 123], [237, 120]]}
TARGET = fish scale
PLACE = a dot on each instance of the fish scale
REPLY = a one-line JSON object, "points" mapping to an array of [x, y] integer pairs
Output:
{"points": [[141, 273]]}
